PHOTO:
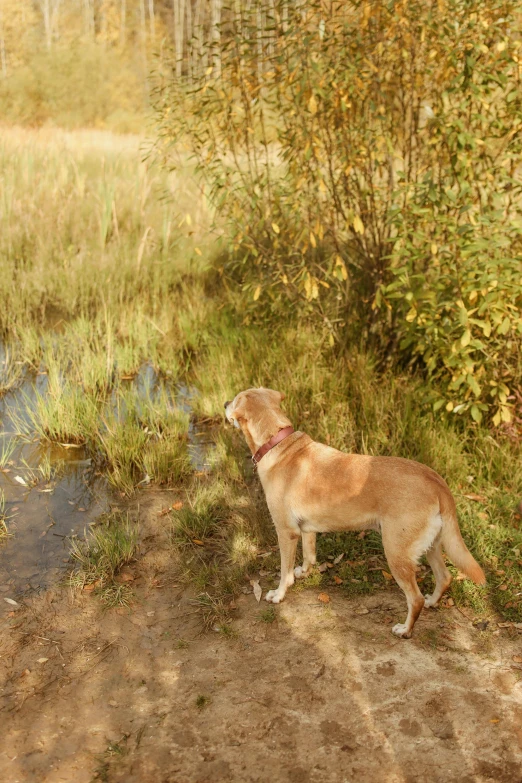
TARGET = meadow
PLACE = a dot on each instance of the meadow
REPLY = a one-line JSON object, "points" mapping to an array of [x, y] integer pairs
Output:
{"points": [[117, 311]]}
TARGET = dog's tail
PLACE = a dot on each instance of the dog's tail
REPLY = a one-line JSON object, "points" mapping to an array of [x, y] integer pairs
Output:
{"points": [[453, 542]]}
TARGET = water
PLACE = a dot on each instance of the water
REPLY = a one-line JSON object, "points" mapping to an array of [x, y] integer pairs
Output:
{"points": [[52, 492]]}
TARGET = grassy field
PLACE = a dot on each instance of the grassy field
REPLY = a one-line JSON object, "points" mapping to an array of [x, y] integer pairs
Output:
{"points": [[109, 273]]}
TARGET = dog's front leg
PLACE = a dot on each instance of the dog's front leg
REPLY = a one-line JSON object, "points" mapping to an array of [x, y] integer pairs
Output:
{"points": [[309, 558], [287, 546]]}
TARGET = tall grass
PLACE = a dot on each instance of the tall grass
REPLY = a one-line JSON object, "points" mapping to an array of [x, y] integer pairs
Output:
{"points": [[95, 303]]}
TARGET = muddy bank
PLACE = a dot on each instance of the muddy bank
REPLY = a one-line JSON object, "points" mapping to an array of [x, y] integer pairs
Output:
{"points": [[317, 692]]}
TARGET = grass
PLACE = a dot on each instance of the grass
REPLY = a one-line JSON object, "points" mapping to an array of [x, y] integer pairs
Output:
{"points": [[4, 530], [120, 298], [99, 558]]}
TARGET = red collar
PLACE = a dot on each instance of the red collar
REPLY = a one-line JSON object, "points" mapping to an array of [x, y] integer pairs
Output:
{"points": [[262, 450]]}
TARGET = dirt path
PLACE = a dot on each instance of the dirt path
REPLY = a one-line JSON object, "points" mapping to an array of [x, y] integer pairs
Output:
{"points": [[322, 693]]}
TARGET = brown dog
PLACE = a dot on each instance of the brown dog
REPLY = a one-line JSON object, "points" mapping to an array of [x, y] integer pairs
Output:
{"points": [[311, 488]]}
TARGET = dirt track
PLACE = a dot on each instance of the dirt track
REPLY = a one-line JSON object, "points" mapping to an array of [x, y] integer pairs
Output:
{"points": [[323, 693]]}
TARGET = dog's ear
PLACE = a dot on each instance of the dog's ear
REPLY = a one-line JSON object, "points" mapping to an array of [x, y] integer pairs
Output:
{"points": [[240, 406], [278, 396]]}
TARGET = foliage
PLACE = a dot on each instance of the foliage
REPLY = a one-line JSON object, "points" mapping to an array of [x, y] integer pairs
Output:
{"points": [[364, 159]]}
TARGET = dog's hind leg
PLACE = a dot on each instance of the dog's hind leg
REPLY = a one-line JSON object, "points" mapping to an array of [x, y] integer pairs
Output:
{"points": [[403, 569], [309, 558], [440, 572], [287, 546]]}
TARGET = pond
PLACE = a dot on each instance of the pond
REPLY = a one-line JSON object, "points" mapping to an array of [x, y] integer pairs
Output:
{"points": [[51, 493]]}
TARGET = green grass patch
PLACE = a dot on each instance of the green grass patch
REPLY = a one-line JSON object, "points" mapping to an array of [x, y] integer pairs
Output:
{"points": [[106, 549]]}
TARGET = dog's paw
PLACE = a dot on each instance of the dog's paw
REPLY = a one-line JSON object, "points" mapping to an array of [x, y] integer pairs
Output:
{"points": [[300, 572], [429, 603], [401, 630], [274, 597]]}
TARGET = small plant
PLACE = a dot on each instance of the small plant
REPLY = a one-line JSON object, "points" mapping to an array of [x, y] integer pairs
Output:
{"points": [[64, 414], [202, 700], [268, 615], [11, 373], [100, 556], [4, 531], [7, 448]]}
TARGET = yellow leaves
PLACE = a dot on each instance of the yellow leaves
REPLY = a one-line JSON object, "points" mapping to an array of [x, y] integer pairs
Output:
{"points": [[434, 249], [449, 406], [312, 105], [466, 338], [358, 225], [275, 228], [313, 240], [257, 293], [503, 414], [501, 46], [340, 268], [197, 251], [311, 287], [504, 326]]}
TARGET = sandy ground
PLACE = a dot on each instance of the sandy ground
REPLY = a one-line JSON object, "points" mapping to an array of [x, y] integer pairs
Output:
{"points": [[325, 692]]}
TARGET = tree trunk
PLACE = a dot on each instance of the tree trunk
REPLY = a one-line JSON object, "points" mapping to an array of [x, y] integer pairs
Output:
{"points": [[123, 22], [152, 20], [215, 35], [3, 56], [179, 24]]}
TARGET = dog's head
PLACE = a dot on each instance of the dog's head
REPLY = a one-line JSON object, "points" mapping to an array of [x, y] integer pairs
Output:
{"points": [[256, 412], [247, 405]]}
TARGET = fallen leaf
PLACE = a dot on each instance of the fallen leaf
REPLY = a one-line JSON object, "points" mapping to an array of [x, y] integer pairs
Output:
{"points": [[474, 496], [257, 589], [338, 558], [42, 660], [178, 505], [21, 481], [387, 575], [362, 610], [502, 587], [89, 588], [163, 512], [504, 625], [324, 598], [450, 602], [323, 567], [338, 580], [10, 601], [361, 535], [495, 720], [517, 659]]}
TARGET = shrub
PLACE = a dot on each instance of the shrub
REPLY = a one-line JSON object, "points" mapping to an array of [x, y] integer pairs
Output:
{"points": [[363, 157]]}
